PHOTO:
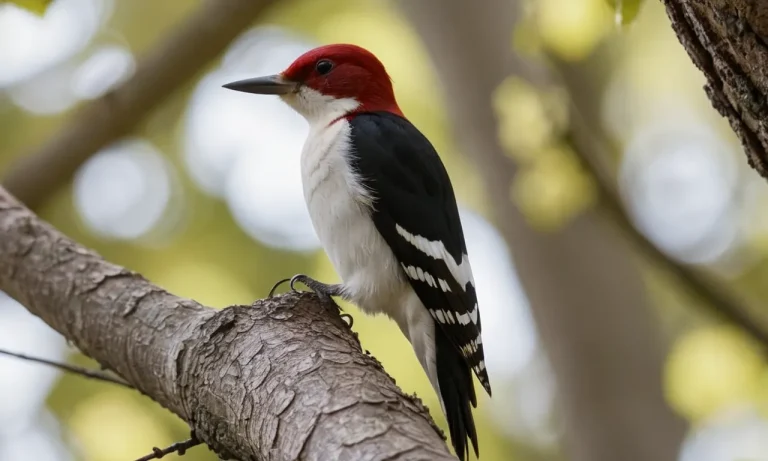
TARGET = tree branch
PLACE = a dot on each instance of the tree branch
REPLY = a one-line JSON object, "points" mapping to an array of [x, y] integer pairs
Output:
{"points": [[283, 379], [173, 63], [728, 41]]}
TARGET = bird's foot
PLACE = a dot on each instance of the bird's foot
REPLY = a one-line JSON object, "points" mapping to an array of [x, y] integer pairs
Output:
{"points": [[319, 288], [323, 290]]}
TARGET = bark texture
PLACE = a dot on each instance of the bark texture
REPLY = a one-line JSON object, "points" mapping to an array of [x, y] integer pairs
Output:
{"points": [[586, 295], [173, 63], [283, 379], [728, 41]]}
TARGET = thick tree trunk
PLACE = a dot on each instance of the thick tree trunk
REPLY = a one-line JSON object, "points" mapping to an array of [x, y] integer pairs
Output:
{"points": [[587, 298], [283, 379], [728, 42]]}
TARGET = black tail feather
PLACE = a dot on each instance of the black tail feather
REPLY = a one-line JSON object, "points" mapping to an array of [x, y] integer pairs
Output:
{"points": [[457, 392]]}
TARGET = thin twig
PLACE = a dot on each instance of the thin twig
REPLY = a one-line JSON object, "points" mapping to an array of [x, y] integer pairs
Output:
{"points": [[178, 447], [85, 372]]}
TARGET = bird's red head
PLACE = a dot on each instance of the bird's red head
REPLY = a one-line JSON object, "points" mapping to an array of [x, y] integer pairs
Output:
{"points": [[346, 71], [337, 72]]}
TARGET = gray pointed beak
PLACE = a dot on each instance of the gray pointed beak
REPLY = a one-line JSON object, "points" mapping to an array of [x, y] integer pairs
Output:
{"points": [[271, 84]]}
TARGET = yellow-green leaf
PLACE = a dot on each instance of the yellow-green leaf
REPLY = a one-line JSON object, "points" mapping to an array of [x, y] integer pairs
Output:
{"points": [[35, 6], [625, 10]]}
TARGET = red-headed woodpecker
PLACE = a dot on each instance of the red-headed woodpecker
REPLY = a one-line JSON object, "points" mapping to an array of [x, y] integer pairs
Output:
{"points": [[384, 209]]}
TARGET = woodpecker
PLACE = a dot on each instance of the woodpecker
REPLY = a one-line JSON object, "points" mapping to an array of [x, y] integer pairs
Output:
{"points": [[383, 207]]}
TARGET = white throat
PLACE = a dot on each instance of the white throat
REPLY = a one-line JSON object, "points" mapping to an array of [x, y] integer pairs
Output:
{"points": [[317, 108]]}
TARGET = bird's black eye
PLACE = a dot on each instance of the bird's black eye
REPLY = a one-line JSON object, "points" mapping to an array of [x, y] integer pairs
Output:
{"points": [[323, 66]]}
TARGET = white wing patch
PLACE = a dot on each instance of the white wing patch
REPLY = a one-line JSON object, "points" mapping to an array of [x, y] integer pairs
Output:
{"points": [[480, 370], [463, 319], [473, 315], [462, 272], [471, 347], [441, 316], [470, 316], [444, 285], [417, 273]]}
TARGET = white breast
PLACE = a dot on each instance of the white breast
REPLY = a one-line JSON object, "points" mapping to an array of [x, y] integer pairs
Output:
{"points": [[339, 206]]}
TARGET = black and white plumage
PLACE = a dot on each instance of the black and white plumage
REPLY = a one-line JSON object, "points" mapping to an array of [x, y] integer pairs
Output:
{"points": [[415, 211], [384, 209]]}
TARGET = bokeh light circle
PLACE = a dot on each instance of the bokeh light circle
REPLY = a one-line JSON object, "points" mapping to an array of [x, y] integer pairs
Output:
{"points": [[123, 191], [736, 434], [31, 44], [679, 182], [105, 68]]}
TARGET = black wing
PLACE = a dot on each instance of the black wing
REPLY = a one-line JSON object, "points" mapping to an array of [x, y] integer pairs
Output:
{"points": [[415, 211]]}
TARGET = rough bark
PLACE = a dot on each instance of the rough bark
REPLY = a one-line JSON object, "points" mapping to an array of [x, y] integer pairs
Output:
{"points": [[587, 298], [283, 379], [728, 41], [168, 67]]}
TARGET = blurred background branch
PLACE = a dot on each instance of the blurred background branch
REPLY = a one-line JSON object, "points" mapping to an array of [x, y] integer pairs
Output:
{"points": [[174, 62]]}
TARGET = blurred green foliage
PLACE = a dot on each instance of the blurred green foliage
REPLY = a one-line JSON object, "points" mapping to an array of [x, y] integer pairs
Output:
{"points": [[625, 10], [550, 187], [35, 6]]}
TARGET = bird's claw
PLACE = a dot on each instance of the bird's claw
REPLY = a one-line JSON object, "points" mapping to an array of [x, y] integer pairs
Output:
{"points": [[349, 320], [274, 287], [296, 278], [303, 279], [321, 289]]}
